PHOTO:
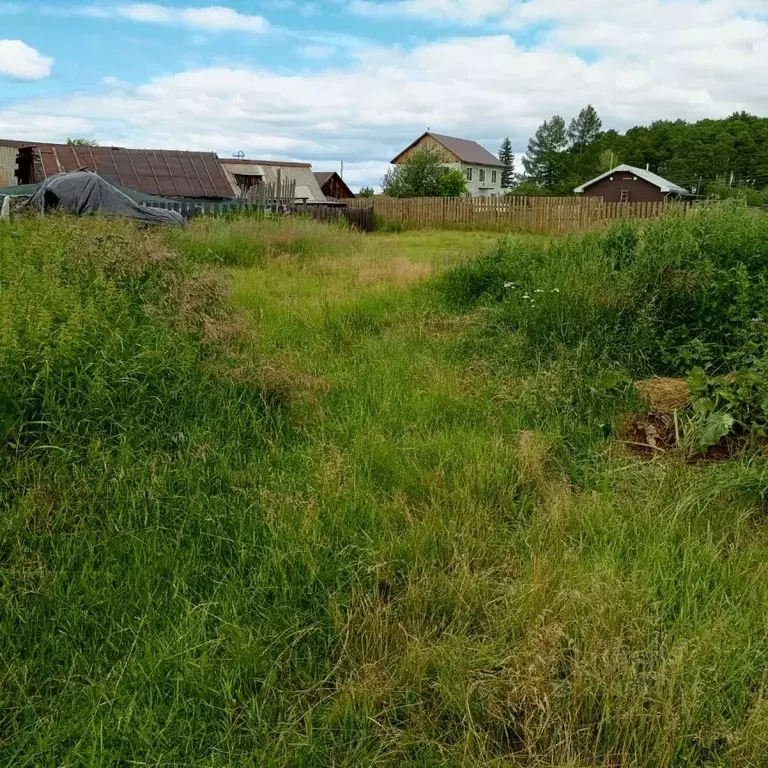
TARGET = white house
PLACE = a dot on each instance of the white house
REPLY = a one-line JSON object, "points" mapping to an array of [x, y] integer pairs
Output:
{"points": [[481, 168]]}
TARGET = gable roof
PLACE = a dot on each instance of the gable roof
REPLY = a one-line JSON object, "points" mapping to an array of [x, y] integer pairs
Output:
{"points": [[466, 150], [652, 178], [168, 173], [307, 187], [323, 177]]}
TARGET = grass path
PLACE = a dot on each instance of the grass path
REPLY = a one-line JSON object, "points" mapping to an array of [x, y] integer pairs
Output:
{"points": [[494, 608]]}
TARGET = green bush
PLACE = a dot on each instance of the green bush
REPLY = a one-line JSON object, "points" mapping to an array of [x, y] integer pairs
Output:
{"points": [[663, 297]]}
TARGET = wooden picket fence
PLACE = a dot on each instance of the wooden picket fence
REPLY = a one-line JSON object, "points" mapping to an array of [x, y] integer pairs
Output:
{"points": [[547, 215]]}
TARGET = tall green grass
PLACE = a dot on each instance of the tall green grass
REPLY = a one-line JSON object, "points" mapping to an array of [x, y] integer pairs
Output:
{"points": [[661, 296], [346, 525], [246, 240]]}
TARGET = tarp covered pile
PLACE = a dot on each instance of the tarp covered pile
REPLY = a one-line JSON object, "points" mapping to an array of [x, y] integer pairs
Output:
{"points": [[83, 192]]}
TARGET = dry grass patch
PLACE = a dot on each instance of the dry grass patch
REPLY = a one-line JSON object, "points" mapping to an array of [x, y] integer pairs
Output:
{"points": [[663, 395], [398, 271]]}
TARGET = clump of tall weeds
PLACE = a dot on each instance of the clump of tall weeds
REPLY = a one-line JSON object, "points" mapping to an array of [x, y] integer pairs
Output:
{"points": [[674, 297]]}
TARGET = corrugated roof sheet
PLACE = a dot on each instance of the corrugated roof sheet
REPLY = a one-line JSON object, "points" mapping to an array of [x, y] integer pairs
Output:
{"points": [[663, 184], [307, 187], [280, 163], [244, 169], [466, 150], [168, 173]]}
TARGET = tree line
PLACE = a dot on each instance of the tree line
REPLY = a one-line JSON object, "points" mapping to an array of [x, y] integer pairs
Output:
{"points": [[722, 158], [725, 157]]}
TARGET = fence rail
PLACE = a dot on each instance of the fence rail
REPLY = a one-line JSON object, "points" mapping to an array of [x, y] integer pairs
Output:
{"points": [[360, 218], [527, 214]]}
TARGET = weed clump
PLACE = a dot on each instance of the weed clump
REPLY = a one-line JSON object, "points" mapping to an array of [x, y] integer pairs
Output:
{"points": [[673, 297]]}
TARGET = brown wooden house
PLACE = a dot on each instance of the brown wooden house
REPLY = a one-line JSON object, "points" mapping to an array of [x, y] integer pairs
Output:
{"points": [[334, 186], [627, 184]]}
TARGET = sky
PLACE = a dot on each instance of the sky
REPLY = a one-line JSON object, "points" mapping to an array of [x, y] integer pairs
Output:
{"points": [[326, 81]]}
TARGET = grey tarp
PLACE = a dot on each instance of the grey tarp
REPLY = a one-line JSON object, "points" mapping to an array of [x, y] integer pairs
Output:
{"points": [[84, 192]]}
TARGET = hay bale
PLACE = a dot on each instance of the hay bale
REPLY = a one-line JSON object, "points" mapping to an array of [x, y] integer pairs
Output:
{"points": [[663, 395]]}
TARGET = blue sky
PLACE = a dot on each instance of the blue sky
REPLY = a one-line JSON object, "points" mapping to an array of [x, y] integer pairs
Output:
{"points": [[357, 80]]}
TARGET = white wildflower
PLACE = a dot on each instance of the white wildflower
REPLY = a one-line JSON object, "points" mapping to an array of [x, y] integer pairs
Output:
{"points": [[555, 290], [509, 285], [526, 296], [539, 290]]}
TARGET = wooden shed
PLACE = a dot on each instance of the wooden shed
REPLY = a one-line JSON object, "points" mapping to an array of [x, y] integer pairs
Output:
{"points": [[627, 184], [333, 186]]}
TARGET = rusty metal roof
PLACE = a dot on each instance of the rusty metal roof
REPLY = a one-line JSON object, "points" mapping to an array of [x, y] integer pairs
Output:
{"points": [[168, 173], [15, 143]]}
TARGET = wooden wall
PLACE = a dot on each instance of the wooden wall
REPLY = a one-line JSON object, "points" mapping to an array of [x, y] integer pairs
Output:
{"points": [[427, 142], [547, 215]]}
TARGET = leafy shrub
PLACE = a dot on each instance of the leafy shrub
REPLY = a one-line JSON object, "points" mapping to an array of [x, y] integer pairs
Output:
{"points": [[663, 297], [673, 293]]}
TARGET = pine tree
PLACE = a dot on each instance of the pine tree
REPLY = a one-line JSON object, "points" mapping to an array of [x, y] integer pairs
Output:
{"points": [[507, 158], [584, 129], [545, 161]]}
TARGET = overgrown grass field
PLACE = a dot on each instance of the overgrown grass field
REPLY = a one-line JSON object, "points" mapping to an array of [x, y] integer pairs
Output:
{"points": [[282, 494]]}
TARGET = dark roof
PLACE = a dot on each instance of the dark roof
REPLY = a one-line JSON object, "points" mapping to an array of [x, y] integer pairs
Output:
{"points": [[168, 173], [323, 177], [14, 143], [466, 150]]}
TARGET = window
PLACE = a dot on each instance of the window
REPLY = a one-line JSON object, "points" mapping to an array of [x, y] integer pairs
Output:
{"points": [[482, 176], [493, 176], [469, 174]]}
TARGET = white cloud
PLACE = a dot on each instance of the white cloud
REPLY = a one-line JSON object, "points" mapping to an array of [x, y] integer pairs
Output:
{"points": [[216, 18], [668, 62], [463, 11], [22, 62]]}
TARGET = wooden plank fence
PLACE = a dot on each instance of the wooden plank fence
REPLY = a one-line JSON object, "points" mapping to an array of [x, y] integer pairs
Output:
{"points": [[548, 215]]}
